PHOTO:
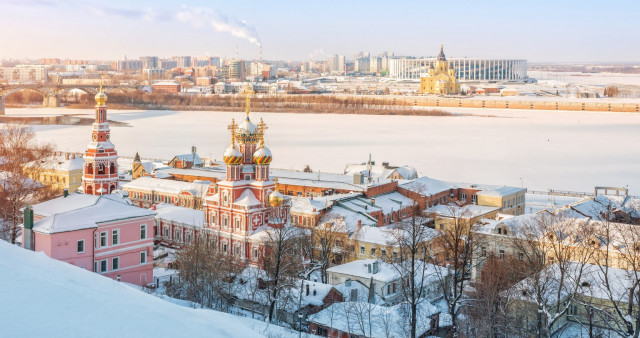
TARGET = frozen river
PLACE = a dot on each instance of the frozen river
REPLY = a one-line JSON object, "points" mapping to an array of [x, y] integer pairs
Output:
{"points": [[540, 149]]}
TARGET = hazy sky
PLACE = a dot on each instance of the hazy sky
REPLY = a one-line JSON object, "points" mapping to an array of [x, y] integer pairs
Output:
{"points": [[540, 30]]}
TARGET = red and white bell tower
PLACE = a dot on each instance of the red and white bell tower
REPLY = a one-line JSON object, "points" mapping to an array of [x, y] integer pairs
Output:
{"points": [[100, 176]]}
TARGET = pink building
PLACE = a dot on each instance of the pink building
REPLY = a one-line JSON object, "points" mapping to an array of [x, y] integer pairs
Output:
{"points": [[103, 234], [99, 230]]}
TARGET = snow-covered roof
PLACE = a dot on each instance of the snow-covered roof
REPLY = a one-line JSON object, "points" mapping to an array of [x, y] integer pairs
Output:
{"points": [[165, 83], [385, 235], [60, 163], [466, 211], [360, 268], [385, 321], [500, 191], [181, 215], [80, 211], [196, 188], [589, 285], [247, 199], [48, 295], [306, 205], [428, 186], [190, 158]]}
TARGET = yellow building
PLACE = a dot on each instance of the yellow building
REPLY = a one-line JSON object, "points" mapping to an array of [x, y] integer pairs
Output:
{"points": [[61, 171], [510, 200], [441, 78]]}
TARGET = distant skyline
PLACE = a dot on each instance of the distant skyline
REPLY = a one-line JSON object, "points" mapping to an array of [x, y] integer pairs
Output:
{"points": [[539, 31]]}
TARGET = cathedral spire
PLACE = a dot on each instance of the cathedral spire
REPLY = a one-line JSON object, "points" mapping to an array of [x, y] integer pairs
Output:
{"points": [[441, 54]]}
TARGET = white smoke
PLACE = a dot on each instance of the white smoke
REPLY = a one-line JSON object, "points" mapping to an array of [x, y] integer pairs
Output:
{"points": [[201, 16]]}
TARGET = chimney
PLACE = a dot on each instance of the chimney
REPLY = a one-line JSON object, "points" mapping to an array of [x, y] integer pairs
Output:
{"points": [[359, 223], [373, 201], [347, 283], [153, 207], [375, 267], [65, 192], [28, 238]]}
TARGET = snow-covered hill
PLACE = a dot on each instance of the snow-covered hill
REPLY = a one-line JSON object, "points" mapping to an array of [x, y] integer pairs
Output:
{"points": [[40, 296]]}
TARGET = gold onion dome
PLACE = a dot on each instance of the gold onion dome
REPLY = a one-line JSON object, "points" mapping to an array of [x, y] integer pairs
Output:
{"points": [[232, 156], [276, 199], [262, 156], [101, 98]]}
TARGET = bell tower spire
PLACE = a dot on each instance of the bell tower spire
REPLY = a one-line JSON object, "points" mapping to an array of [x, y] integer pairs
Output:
{"points": [[100, 175]]}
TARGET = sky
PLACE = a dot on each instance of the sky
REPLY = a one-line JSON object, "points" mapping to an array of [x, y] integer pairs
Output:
{"points": [[539, 31]]}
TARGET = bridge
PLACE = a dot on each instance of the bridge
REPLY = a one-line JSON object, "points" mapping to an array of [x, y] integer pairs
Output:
{"points": [[52, 93]]}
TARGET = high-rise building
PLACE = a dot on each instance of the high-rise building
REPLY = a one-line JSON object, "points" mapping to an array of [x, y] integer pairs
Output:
{"points": [[362, 65], [336, 63], [149, 62], [168, 64], [183, 61], [237, 70]]}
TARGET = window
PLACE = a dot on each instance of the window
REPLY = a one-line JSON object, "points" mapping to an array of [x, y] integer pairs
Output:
{"points": [[383, 253], [103, 265], [474, 199], [237, 224], [115, 263], [394, 255], [95, 242], [95, 266], [362, 250], [225, 221], [521, 256], [143, 231], [166, 232], [103, 239], [81, 246], [236, 250], [115, 237], [573, 310], [483, 252], [254, 253], [224, 247], [354, 295], [463, 197], [143, 257], [501, 254], [188, 237], [373, 252]]}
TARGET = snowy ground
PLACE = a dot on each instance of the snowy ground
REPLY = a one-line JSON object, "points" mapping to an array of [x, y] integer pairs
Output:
{"points": [[591, 79], [539, 149], [44, 297]]}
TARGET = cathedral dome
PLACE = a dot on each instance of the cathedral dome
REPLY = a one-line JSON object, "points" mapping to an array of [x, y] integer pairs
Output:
{"points": [[276, 199], [247, 132], [262, 156], [232, 156], [101, 98]]}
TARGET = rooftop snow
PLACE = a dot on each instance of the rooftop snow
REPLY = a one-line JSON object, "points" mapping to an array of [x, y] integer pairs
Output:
{"points": [[80, 211], [180, 215], [198, 188]]}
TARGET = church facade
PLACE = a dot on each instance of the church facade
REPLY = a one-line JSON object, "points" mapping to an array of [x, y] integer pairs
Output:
{"points": [[441, 78], [246, 203]]}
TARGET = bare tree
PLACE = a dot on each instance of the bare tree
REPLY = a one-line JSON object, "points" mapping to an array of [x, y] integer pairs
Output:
{"points": [[282, 262], [412, 239], [555, 250], [618, 264], [328, 237], [204, 275], [488, 305], [457, 245], [20, 169]]}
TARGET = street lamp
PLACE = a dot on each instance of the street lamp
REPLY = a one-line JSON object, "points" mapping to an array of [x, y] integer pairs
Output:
{"points": [[300, 324]]}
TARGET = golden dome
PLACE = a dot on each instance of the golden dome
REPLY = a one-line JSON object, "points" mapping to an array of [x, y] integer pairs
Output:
{"points": [[101, 98], [276, 199]]}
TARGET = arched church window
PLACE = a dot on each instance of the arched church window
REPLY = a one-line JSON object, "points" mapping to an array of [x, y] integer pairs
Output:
{"points": [[101, 169]]}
